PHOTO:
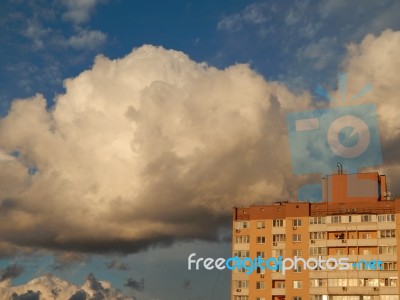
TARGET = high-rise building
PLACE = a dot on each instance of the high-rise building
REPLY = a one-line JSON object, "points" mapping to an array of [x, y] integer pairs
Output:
{"points": [[356, 220]]}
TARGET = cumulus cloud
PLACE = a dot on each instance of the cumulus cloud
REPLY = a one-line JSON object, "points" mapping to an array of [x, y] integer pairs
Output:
{"points": [[374, 61], [154, 147], [51, 287], [140, 151]]}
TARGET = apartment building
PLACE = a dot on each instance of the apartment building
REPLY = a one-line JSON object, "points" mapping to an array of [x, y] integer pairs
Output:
{"points": [[356, 220]]}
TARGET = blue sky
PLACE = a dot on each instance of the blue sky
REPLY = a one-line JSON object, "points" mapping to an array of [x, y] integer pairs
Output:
{"points": [[299, 44]]}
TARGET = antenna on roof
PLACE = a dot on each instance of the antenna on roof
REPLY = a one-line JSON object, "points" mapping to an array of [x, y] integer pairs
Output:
{"points": [[340, 168]]}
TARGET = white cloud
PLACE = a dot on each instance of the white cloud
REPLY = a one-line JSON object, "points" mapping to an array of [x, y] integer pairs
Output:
{"points": [[154, 147], [232, 22], [78, 11], [87, 39], [328, 7], [146, 149], [256, 13], [35, 31], [320, 53]]}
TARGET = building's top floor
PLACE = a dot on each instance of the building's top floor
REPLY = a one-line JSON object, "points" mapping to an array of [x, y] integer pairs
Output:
{"points": [[364, 193]]}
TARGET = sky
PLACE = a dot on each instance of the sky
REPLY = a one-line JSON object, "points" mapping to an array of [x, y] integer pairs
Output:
{"points": [[129, 130]]}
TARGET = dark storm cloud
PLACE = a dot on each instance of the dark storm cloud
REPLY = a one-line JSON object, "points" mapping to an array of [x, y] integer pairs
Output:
{"points": [[79, 295], [116, 265], [30, 295], [11, 272], [137, 285], [187, 284], [65, 260]]}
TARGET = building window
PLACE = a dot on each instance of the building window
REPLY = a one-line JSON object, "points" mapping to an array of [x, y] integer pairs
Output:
{"points": [[277, 223], [317, 220], [336, 219], [297, 284], [296, 222], [241, 298], [260, 271], [340, 252], [390, 233], [320, 235], [296, 238], [318, 282], [296, 298], [296, 252], [298, 269], [260, 298], [260, 285], [241, 254], [260, 225], [277, 252], [242, 225], [242, 239], [278, 238], [279, 284], [390, 266], [387, 218], [261, 254], [387, 249], [366, 218], [366, 236], [261, 240], [317, 250], [316, 297], [333, 282], [388, 282], [240, 284]]}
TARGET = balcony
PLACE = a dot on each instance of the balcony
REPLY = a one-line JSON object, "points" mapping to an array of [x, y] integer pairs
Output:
{"points": [[240, 292], [278, 291], [366, 242], [241, 246], [388, 257], [336, 243], [239, 276], [318, 291], [278, 230], [318, 243], [354, 290], [386, 225], [389, 290], [388, 242], [277, 275]]}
